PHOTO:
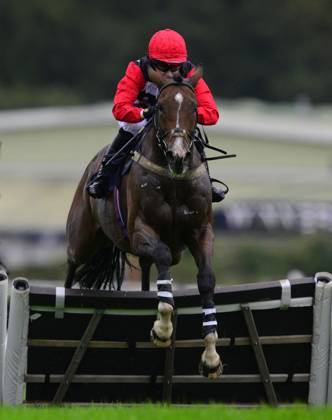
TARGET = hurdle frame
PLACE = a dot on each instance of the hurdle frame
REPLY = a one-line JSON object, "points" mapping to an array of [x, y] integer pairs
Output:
{"points": [[249, 300], [3, 326]]}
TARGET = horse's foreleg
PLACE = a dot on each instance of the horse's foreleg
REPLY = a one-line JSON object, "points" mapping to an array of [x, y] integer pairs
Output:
{"points": [[201, 247], [210, 365], [146, 244]]}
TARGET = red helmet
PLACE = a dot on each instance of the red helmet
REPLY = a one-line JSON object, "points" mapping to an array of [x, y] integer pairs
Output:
{"points": [[168, 46]]}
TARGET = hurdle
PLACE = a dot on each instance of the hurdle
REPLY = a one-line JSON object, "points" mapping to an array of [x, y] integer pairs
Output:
{"points": [[3, 325], [82, 346]]}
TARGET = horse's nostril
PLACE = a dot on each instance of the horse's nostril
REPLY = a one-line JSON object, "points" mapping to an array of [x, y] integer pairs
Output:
{"points": [[169, 154], [178, 165]]}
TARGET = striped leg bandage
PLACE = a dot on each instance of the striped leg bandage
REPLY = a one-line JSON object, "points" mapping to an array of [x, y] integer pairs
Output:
{"points": [[209, 321], [165, 293]]}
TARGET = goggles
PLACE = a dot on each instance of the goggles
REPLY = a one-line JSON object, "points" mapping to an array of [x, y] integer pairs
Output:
{"points": [[165, 67]]}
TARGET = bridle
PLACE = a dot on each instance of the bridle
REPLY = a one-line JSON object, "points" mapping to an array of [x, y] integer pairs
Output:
{"points": [[178, 132]]}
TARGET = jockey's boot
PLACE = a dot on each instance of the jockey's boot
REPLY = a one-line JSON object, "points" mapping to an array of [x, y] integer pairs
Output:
{"points": [[218, 194], [97, 186]]}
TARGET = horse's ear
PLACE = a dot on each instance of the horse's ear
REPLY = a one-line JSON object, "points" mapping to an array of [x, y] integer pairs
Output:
{"points": [[193, 80], [157, 77]]}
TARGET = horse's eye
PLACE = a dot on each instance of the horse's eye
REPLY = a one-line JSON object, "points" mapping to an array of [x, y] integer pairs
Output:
{"points": [[160, 108]]}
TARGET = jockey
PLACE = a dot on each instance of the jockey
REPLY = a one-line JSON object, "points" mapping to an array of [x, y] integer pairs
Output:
{"points": [[136, 96]]}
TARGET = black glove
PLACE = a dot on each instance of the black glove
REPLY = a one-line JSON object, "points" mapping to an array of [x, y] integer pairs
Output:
{"points": [[148, 112]]}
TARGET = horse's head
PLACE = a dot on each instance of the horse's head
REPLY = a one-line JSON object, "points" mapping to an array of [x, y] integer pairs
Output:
{"points": [[175, 118]]}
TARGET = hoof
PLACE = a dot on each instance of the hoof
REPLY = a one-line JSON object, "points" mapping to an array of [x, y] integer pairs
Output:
{"points": [[210, 372], [159, 341]]}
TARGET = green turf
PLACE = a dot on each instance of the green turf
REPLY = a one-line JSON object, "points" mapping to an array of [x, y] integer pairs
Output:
{"points": [[263, 169], [152, 412], [70, 145], [77, 143], [43, 168]]}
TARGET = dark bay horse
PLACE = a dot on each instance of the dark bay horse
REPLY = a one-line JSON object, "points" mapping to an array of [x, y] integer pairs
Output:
{"points": [[166, 198]]}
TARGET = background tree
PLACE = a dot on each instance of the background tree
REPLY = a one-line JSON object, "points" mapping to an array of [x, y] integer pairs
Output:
{"points": [[72, 51]]}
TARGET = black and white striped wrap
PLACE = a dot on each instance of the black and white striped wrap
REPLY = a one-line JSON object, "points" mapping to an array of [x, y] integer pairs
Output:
{"points": [[165, 293], [210, 323]]}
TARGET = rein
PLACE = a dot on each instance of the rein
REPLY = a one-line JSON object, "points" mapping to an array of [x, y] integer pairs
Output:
{"points": [[175, 83], [205, 141]]}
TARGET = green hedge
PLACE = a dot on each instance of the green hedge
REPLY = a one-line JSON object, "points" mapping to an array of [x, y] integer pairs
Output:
{"points": [[23, 96], [239, 259], [272, 258]]}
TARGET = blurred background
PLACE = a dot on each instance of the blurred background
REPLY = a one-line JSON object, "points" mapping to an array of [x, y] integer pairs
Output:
{"points": [[268, 65]]}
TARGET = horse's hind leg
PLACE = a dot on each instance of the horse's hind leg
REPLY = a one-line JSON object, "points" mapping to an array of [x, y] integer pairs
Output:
{"points": [[201, 248], [81, 231], [72, 267], [147, 244], [145, 264]]}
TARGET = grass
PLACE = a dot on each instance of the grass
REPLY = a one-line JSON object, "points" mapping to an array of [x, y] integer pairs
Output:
{"points": [[149, 412], [66, 145], [79, 144]]}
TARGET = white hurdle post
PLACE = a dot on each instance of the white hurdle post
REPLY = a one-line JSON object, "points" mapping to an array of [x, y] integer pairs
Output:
{"points": [[16, 352], [320, 378], [3, 326]]}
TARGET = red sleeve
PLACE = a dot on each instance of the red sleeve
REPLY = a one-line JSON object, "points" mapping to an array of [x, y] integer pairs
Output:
{"points": [[126, 93], [206, 105]]}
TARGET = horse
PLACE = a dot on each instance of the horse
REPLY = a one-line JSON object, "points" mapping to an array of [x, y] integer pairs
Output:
{"points": [[166, 201]]}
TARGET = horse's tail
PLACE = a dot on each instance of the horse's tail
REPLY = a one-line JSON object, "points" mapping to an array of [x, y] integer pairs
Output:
{"points": [[104, 269]]}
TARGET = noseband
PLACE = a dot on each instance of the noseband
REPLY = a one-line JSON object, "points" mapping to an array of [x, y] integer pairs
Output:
{"points": [[178, 132]]}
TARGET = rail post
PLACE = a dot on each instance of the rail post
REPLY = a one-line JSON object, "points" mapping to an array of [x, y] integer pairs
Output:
{"points": [[3, 326], [16, 352]]}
